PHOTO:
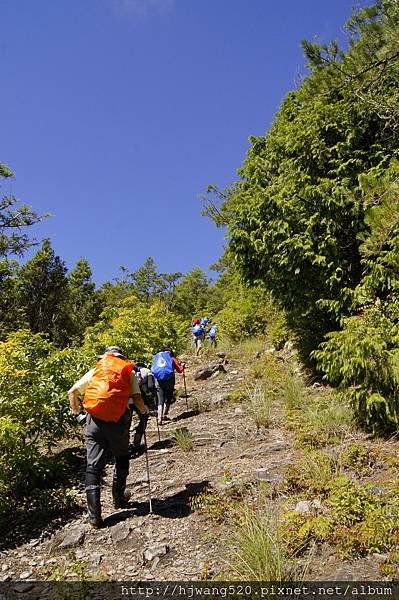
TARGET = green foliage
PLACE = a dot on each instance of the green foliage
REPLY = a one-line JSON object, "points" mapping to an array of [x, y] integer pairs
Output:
{"points": [[354, 520], [258, 554], [191, 294], [362, 359], [140, 329], [13, 219], [11, 313], [299, 218], [258, 404], [299, 531], [248, 312], [34, 411], [238, 395], [42, 293], [84, 303], [349, 502], [313, 473], [358, 457], [319, 420]]}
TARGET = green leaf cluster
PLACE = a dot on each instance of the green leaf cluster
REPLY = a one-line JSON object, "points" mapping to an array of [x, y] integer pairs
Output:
{"points": [[140, 329], [34, 412], [297, 214]]}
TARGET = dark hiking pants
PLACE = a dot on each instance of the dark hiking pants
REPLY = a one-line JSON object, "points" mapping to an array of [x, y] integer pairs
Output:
{"points": [[100, 437], [165, 391]]}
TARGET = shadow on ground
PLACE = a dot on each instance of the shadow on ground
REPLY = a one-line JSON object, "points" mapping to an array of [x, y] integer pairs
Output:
{"points": [[176, 506], [186, 415]]}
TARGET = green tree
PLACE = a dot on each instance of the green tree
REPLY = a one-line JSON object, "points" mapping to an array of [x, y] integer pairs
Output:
{"points": [[13, 219], [140, 329], [11, 315], [297, 215], [84, 303], [191, 294], [146, 282], [43, 295]]}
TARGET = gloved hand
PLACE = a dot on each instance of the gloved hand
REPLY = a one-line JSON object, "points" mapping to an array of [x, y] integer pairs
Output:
{"points": [[81, 418]]}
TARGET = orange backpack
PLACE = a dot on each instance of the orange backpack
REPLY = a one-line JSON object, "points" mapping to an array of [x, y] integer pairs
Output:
{"points": [[109, 389]]}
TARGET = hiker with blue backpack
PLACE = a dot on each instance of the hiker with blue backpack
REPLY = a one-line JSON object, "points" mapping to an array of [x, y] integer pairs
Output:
{"points": [[198, 332], [212, 334], [163, 368]]}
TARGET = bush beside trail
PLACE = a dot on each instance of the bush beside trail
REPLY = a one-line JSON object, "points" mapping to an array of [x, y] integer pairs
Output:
{"points": [[35, 377]]}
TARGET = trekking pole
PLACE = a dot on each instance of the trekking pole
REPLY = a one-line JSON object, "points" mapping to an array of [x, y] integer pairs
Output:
{"points": [[148, 472], [159, 433], [185, 388]]}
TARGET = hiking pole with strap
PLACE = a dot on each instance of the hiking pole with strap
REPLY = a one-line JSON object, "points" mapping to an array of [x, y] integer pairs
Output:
{"points": [[148, 472], [185, 388]]}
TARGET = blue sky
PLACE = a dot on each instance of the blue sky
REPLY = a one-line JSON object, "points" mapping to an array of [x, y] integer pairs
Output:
{"points": [[116, 114]]}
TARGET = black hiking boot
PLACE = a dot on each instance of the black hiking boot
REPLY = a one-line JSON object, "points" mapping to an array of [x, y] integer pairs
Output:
{"points": [[94, 506], [120, 495]]}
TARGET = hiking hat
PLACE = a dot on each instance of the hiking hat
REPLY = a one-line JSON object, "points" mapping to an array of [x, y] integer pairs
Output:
{"points": [[115, 350]]}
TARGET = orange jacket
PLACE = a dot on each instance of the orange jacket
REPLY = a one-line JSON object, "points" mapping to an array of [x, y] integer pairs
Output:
{"points": [[108, 392]]}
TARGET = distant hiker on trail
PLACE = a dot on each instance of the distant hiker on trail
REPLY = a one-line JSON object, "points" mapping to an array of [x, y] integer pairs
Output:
{"points": [[163, 368], [198, 335], [212, 334], [106, 390], [146, 382]]}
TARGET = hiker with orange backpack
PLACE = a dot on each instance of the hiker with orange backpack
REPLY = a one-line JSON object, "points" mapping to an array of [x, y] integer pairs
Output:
{"points": [[106, 390]]}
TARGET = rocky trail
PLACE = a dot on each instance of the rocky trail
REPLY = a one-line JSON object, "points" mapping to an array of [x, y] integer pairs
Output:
{"points": [[175, 542]]}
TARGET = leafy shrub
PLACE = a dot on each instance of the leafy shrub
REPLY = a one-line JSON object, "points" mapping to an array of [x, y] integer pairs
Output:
{"points": [[354, 520], [212, 502], [250, 312], [300, 531], [141, 330], [359, 457], [362, 359], [313, 473], [349, 502], [34, 409]]}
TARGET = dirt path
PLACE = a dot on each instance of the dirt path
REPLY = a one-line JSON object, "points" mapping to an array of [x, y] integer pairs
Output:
{"points": [[174, 542], [181, 543]]}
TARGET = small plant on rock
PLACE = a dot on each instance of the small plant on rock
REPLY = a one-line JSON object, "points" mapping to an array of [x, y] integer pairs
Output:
{"points": [[258, 553], [259, 404], [183, 438]]}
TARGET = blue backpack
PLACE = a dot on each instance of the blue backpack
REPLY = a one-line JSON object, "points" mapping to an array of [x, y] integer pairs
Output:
{"points": [[198, 330], [212, 332], [162, 366]]}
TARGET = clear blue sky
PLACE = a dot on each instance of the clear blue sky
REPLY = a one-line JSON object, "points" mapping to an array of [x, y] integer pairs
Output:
{"points": [[116, 114]]}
